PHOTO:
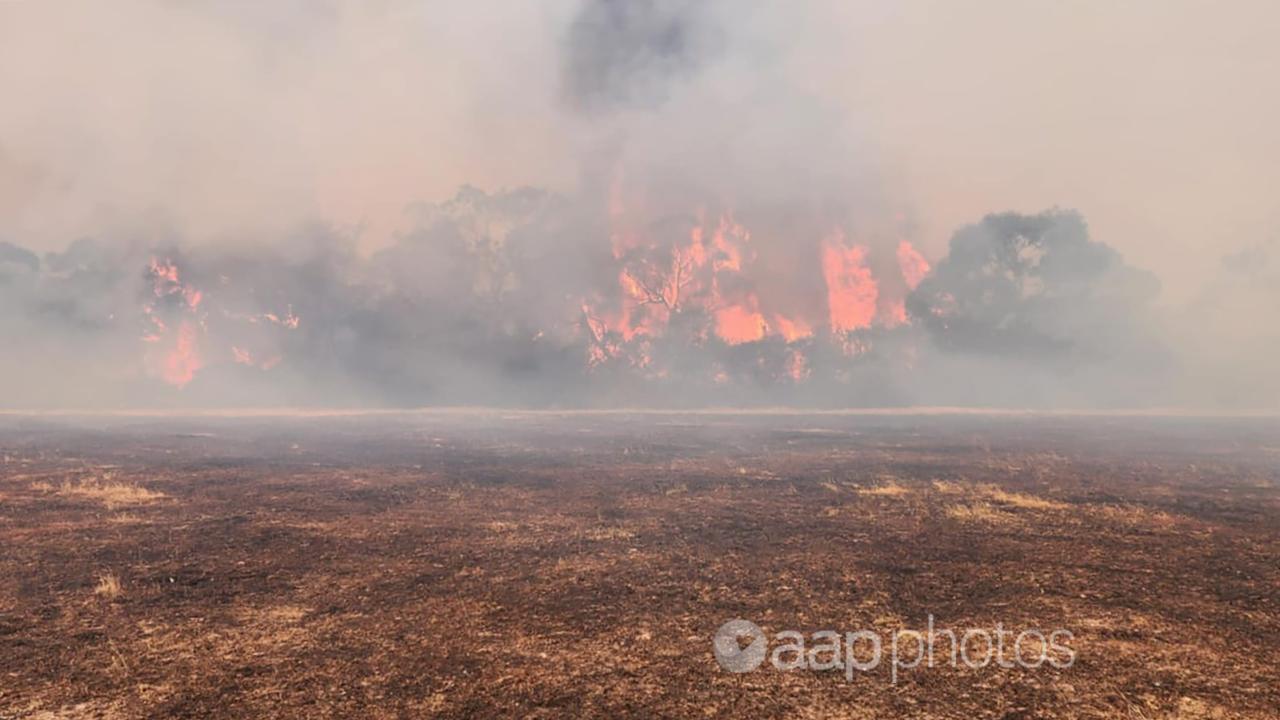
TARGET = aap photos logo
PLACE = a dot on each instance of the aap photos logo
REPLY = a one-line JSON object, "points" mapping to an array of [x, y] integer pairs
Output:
{"points": [[740, 646]]}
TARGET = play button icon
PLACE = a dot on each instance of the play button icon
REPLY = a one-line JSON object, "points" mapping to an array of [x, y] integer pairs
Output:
{"points": [[739, 646]]}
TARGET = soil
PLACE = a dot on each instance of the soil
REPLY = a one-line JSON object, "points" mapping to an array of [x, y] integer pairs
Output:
{"points": [[472, 564]]}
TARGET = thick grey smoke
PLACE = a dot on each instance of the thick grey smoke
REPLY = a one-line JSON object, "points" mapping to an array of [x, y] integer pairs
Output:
{"points": [[482, 304], [674, 203], [23, 258], [626, 52]]}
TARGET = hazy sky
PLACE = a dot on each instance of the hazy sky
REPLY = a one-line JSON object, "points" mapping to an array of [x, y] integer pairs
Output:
{"points": [[234, 121]]}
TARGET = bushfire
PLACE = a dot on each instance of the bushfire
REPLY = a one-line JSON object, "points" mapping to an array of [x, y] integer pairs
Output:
{"points": [[707, 284], [699, 284], [177, 323]]}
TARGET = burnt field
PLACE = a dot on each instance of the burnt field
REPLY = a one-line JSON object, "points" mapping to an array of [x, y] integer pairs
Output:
{"points": [[464, 564]]}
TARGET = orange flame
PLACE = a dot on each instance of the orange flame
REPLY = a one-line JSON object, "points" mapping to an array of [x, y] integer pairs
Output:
{"points": [[851, 288], [737, 324], [912, 264], [176, 357], [712, 273], [178, 364], [893, 314], [798, 366], [182, 361], [791, 329]]}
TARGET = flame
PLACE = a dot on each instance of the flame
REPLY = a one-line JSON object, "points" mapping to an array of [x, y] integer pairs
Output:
{"points": [[728, 241], [737, 324], [244, 357], [893, 314], [706, 283], [289, 320], [179, 358], [182, 361], [163, 273], [797, 366], [697, 278], [166, 283], [177, 319], [912, 264], [851, 289], [601, 348], [791, 329]]}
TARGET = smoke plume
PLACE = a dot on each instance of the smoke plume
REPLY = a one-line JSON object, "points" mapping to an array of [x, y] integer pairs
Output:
{"points": [[601, 203]]}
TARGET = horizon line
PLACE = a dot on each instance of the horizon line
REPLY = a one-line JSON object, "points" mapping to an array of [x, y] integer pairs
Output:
{"points": [[320, 412]]}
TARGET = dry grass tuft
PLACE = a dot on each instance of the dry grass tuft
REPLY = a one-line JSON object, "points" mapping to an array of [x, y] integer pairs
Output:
{"points": [[948, 487], [1190, 708], [889, 489], [42, 486], [1019, 500], [287, 613], [979, 512], [1134, 515], [111, 494], [108, 586], [609, 533]]}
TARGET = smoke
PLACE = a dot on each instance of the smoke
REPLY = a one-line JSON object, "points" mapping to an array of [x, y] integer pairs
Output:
{"points": [[625, 53], [1061, 316], [1035, 287], [486, 301], [1227, 333], [661, 203]]}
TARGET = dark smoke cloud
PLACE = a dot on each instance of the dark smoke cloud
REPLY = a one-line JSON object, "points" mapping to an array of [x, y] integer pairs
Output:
{"points": [[623, 53], [23, 258]]}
